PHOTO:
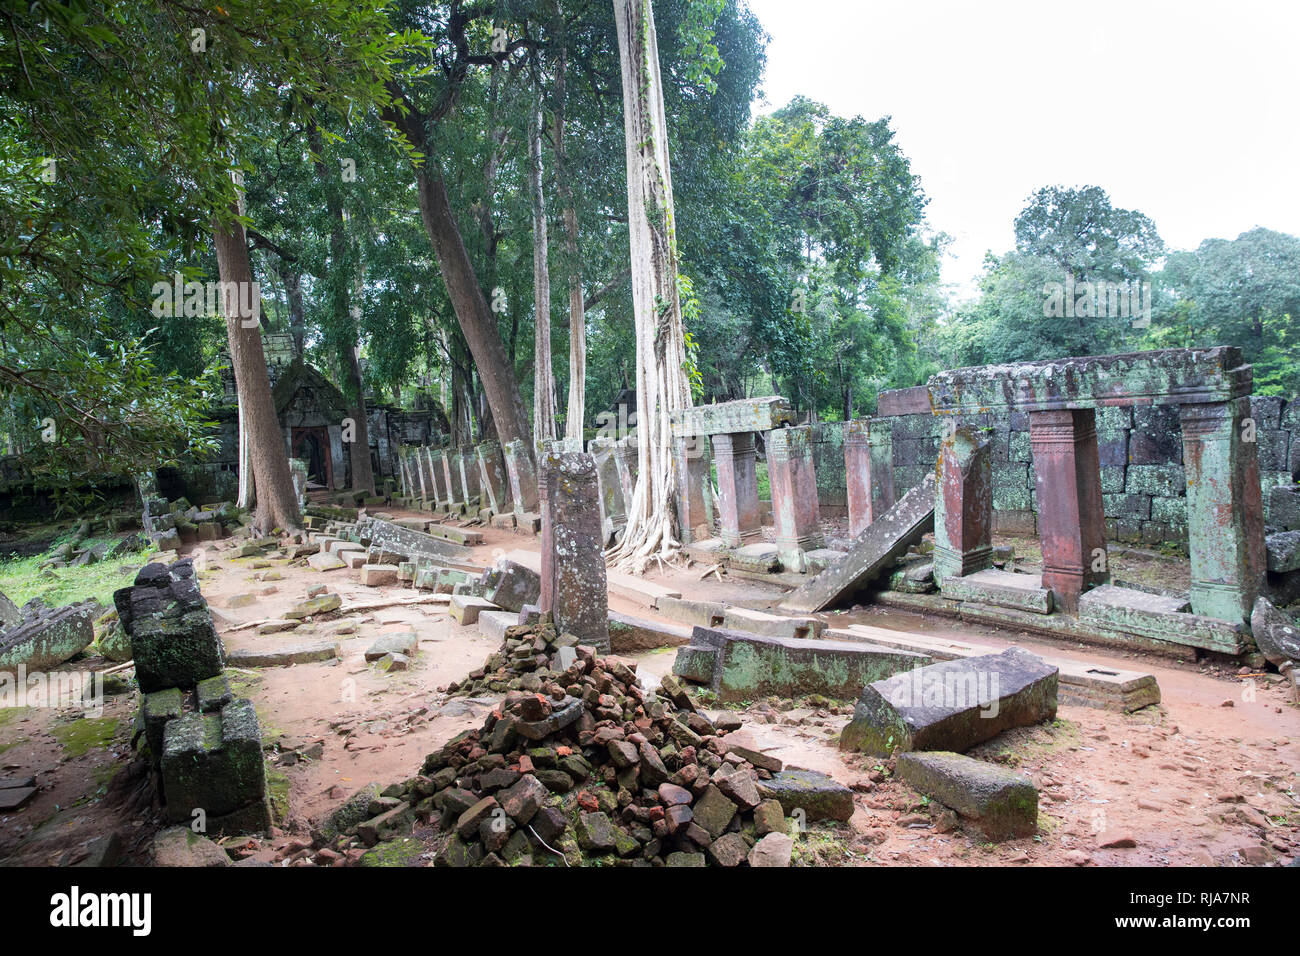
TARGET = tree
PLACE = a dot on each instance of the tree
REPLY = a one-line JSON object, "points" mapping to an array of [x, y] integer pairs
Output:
{"points": [[543, 375], [1244, 292], [661, 383]]}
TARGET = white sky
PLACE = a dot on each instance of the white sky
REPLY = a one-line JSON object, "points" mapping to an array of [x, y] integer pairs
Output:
{"points": [[1186, 111]]}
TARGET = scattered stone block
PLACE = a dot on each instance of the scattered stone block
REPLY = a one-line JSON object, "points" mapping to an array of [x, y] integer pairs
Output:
{"points": [[325, 561], [172, 637], [774, 849], [404, 643], [313, 606], [954, 705], [771, 625], [1001, 803], [46, 637], [514, 585], [628, 635], [282, 655], [1001, 588], [378, 575], [465, 608], [1275, 632], [815, 794], [213, 763]]}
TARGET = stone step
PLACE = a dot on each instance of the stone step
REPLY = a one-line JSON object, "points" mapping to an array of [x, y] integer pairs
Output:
{"points": [[628, 635], [770, 625], [1082, 684], [1024, 592], [742, 666], [493, 624]]}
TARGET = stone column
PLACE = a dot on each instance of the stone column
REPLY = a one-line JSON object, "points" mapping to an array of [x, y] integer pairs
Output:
{"points": [[613, 509], [453, 503], [1071, 520], [492, 476], [795, 512], [739, 521], [625, 460], [574, 585], [963, 506], [869, 470], [523, 477], [339, 469], [691, 465], [430, 463], [1225, 510], [467, 469]]}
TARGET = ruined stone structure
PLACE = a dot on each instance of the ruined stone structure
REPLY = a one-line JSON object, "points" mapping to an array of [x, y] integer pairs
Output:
{"points": [[204, 744]]}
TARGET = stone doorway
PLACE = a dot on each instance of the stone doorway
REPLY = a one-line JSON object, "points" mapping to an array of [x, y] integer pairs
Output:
{"points": [[312, 446]]}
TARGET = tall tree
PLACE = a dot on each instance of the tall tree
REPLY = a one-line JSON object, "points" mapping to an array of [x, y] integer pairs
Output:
{"points": [[661, 383], [543, 374]]}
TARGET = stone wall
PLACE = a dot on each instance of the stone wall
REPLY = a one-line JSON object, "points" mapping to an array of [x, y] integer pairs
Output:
{"points": [[1143, 487]]}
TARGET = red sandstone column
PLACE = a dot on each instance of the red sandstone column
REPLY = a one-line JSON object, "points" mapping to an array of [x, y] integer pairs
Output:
{"points": [[963, 506], [795, 511], [869, 471], [738, 516], [692, 468], [1071, 522]]}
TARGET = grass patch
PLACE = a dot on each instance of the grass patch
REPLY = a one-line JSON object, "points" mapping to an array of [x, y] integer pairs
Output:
{"points": [[22, 579], [277, 788]]}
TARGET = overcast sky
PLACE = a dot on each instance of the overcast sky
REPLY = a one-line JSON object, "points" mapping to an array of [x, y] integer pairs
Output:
{"points": [[1187, 111]]}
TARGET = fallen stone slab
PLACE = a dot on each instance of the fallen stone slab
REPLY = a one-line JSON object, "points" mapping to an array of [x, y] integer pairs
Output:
{"points": [[771, 625], [741, 666], [1024, 592], [465, 608], [321, 604], [9, 613], [413, 544], [47, 637], [872, 553], [628, 635], [463, 536], [954, 705], [282, 655], [1001, 803], [15, 798], [814, 795], [639, 590], [1082, 683], [404, 643]]}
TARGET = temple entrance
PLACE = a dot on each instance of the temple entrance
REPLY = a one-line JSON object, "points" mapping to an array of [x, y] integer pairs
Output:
{"points": [[312, 446]]}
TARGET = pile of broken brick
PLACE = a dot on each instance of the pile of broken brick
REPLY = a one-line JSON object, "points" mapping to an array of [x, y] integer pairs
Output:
{"points": [[529, 656], [593, 765]]}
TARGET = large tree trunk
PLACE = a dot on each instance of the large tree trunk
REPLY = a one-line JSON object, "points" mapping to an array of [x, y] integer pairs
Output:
{"points": [[477, 322], [543, 374], [293, 293], [661, 384], [577, 410], [277, 506]]}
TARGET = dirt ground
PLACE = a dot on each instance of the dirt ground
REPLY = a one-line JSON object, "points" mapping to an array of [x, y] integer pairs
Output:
{"points": [[1207, 777]]}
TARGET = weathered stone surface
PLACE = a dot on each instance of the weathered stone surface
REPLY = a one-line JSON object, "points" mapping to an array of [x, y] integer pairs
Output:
{"points": [[743, 415], [1284, 506], [1283, 552], [868, 470], [388, 536], [282, 655], [465, 608], [321, 604], [172, 637], [9, 613], [1275, 632], [873, 552], [815, 794], [522, 474], [377, 575], [963, 505], [738, 512], [749, 666], [325, 561], [771, 625], [513, 586], [1003, 804], [493, 480], [793, 480], [573, 579], [774, 849], [213, 762], [46, 637], [181, 846], [953, 705], [1002, 588], [404, 643], [628, 635]]}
